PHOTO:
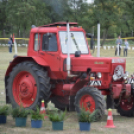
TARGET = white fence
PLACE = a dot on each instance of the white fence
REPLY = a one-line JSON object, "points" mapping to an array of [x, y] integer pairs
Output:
{"points": [[19, 45], [102, 47]]}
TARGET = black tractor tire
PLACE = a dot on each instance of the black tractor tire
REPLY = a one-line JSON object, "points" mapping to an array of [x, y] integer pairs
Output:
{"points": [[60, 102], [40, 77], [123, 112], [97, 97]]}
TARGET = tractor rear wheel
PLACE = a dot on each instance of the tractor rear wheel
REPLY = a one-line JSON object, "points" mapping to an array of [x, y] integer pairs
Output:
{"points": [[61, 102], [27, 85], [91, 99], [126, 107]]}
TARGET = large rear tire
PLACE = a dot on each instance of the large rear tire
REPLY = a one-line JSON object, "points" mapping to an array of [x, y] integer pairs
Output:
{"points": [[28, 84], [90, 98], [126, 107]]}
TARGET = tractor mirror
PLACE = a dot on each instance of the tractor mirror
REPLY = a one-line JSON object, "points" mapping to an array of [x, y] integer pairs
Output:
{"points": [[89, 35]]}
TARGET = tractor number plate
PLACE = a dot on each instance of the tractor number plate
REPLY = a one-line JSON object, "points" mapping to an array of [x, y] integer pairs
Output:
{"points": [[95, 83]]}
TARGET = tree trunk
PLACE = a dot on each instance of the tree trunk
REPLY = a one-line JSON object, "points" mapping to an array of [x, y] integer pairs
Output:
{"points": [[104, 36]]}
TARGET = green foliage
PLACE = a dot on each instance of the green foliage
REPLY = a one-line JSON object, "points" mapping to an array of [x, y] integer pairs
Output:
{"points": [[86, 116], [3, 16], [4, 110], [57, 116], [116, 16], [35, 115], [19, 112]]}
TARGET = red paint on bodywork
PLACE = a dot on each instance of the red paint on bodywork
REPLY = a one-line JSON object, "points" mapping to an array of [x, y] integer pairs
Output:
{"points": [[20, 59], [128, 90], [117, 88]]}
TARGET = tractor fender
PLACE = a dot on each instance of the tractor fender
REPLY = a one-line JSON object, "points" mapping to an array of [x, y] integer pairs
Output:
{"points": [[20, 59]]}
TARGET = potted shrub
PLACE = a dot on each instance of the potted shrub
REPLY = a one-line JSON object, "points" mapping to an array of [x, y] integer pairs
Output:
{"points": [[4, 110], [57, 118], [36, 118], [20, 115], [85, 118]]}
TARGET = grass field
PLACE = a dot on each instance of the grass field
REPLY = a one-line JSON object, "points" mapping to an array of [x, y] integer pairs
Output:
{"points": [[123, 125]]}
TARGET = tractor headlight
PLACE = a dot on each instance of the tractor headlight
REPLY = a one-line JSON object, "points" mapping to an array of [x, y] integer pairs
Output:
{"points": [[99, 75]]}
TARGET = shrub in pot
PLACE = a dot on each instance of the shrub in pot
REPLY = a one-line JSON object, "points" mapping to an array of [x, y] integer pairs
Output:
{"points": [[4, 111], [20, 115], [57, 118], [36, 118], [85, 118]]}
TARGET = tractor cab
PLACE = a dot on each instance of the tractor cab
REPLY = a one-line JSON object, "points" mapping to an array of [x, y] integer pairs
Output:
{"points": [[57, 43], [53, 38]]}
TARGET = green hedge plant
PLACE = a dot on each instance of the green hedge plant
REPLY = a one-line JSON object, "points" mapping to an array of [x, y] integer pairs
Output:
{"points": [[35, 115], [86, 116], [20, 112], [4, 110], [57, 116]]}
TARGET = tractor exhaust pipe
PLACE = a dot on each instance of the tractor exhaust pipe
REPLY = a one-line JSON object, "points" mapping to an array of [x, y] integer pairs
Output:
{"points": [[68, 50]]}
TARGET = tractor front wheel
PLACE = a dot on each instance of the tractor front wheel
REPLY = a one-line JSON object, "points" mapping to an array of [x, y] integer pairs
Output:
{"points": [[27, 85], [91, 99], [126, 106]]}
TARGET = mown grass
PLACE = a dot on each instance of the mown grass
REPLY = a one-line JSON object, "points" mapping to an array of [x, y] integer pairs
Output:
{"points": [[123, 125]]}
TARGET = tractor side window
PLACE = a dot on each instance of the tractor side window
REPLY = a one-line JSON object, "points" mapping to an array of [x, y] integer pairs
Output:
{"points": [[36, 42], [49, 43]]}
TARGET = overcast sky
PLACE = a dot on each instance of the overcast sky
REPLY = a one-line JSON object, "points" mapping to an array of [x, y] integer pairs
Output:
{"points": [[90, 1]]}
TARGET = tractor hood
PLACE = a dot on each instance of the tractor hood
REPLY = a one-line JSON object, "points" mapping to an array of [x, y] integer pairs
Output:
{"points": [[96, 64]]}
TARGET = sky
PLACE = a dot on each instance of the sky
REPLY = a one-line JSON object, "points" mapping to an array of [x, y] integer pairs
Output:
{"points": [[90, 1]]}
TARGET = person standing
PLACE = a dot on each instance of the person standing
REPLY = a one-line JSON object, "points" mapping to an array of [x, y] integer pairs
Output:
{"points": [[118, 47], [10, 45], [126, 47], [11, 42]]}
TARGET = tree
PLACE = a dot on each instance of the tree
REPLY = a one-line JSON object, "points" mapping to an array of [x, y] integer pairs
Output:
{"points": [[127, 7], [3, 14], [20, 13], [80, 13], [105, 12], [24, 13], [58, 10]]}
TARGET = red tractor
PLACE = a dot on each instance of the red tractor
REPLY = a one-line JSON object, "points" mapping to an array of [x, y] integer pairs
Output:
{"points": [[60, 68]]}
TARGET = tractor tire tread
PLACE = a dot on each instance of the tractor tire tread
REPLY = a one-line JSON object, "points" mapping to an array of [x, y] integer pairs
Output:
{"points": [[41, 74]]}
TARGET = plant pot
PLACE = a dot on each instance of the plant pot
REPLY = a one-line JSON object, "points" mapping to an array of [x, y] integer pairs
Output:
{"points": [[84, 126], [36, 123], [20, 122], [57, 125], [3, 119]]}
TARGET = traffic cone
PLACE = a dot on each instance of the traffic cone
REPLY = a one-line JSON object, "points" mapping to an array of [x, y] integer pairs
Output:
{"points": [[42, 109], [110, 123]]}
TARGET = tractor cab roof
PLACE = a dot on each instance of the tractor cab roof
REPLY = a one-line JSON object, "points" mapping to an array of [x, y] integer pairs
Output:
{"points": [[60, 24], [57, 26]]}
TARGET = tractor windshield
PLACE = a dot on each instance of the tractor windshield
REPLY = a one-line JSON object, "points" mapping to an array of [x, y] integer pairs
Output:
{"points": [[78, 42]]}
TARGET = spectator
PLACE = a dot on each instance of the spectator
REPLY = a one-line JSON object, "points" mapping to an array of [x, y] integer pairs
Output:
{"points": [[10, 45], [11, 42], [126, 47], [118, 42]]}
